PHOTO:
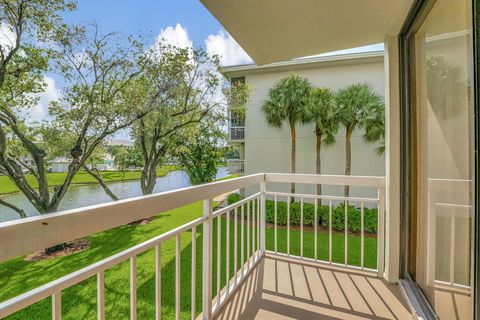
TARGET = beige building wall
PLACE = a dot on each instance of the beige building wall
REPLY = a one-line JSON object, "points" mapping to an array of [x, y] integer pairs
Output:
{"points": [[267, 149]]}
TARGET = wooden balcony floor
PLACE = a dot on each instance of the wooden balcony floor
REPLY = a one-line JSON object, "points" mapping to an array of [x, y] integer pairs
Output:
{"points": [[283, 288]]}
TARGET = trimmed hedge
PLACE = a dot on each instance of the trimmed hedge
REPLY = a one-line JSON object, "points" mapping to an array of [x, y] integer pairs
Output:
{"points": [[338, 215]]}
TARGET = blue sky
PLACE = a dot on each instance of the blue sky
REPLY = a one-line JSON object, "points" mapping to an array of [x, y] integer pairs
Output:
{"points": [[131, 16]]}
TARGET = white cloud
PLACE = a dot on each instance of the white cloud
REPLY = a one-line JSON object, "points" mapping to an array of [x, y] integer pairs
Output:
{"points": [[227, 48], [51, 93], [175, 36], [7, 38]]}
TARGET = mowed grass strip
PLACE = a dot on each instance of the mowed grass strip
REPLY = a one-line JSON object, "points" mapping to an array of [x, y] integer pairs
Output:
{"points": [[54, 179], [79, 302]]}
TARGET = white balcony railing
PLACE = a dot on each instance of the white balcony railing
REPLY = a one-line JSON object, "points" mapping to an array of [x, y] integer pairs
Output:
{"points": [[247, 226], [235, 165], [237, 133]]}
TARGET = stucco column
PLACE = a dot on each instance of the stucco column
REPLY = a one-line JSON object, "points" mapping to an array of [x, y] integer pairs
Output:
{"points": [[392, 159]]}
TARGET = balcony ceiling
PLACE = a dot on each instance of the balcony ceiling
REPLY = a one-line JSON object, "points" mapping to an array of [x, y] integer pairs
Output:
{"points": [[278, 30]]}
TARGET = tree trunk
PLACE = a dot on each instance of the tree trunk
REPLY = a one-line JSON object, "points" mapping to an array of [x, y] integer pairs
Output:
{"points": [[293, 156], [348, 159], [149, 176], [318, 163], [94, 173]]}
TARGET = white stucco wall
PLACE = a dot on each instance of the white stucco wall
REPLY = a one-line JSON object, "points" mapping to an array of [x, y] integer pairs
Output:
{"points": [[268, 149]]}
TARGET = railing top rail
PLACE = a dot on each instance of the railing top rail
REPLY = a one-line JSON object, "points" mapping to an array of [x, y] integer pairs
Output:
{"points": [[23, 236], [360, 181], [322, 197]]}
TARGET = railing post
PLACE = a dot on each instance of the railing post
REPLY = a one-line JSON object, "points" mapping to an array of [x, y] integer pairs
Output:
{"points": [[262, 217], [381, 231], [207, 261]]}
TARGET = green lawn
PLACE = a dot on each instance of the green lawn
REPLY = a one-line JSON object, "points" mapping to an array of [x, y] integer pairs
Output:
{"points": [[79, 302], [7, 186]]}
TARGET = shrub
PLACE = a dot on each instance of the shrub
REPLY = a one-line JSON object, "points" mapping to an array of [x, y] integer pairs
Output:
{"points": [[338, 215]]}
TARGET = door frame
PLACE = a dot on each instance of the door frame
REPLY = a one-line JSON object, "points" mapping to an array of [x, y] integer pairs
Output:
{"points": [[408, 189]]}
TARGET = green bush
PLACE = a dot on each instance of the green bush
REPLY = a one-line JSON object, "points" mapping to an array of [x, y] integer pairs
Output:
{"points": [[338, 215]]}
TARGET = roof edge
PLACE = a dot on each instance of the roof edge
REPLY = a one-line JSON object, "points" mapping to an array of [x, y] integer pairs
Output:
{"points": [[302, 63]]}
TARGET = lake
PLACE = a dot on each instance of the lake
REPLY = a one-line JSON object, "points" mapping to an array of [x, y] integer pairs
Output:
{"points": [[86, 195]]}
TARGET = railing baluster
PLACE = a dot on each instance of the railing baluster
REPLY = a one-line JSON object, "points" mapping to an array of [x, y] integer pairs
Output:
{"points": [[362, 235], [253, 231], [57, 306], [452, 248], [219, 255], [258, 228], [235, 243], [242, 245], [330, 231], [101, 295], [275, 223], [381, 231], [194, 274], [133, 288], [248, 236], [301, 227], [346, 232], [315, 228], [177, 277], [227, 255], [288, 225], [207, 259], [158, 282], [262, 219]]}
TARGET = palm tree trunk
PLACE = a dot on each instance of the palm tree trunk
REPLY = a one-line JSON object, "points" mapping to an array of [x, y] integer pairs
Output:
{"points": [[318, 168], [318, 164], [293, 155], [348, 158]]}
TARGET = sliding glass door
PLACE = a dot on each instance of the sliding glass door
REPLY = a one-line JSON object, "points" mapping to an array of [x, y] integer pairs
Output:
{"points": [[442, 159]]}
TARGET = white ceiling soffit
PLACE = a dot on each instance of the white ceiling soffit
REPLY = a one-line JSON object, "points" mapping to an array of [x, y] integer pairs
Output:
{"points": [[278, 30]]}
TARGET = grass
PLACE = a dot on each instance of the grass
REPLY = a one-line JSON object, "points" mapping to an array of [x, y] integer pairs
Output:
{"points": [[79, 302], [7, 186]]}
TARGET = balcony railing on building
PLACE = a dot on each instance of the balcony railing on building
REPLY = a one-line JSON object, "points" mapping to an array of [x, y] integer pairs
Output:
{"points": [[235, 165], [237, 133], [268, 221]]}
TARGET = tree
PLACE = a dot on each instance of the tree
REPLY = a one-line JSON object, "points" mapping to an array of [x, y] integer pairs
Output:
{"points": [[97, 70], [322, 110], [29, 25], [360, 107], [127, 157], [183, 85], [199, 152], [288, 101]]}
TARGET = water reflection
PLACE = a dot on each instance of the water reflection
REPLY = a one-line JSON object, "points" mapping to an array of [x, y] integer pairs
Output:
{"points": [[80, 196]]}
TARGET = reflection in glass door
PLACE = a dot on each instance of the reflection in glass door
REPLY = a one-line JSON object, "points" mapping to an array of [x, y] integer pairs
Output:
{"points": [[444, 158]]}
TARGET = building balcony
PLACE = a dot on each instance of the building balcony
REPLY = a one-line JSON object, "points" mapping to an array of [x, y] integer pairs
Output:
{"points": [[236, 133], [262, 257], [235, 166]]}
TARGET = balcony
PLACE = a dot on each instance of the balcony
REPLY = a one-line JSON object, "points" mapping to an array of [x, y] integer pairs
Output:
{"points": [[237, 133], [262, 257], [235, 166]]}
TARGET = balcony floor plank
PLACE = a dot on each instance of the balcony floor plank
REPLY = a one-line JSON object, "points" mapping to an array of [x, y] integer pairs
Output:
{"points": [[284, 288]]}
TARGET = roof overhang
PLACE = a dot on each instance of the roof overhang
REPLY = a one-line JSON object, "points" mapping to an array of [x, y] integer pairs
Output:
{"points": [[279, 30]]}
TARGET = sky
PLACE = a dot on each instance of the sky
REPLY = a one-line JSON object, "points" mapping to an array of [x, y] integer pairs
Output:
{"points": [[184, 23]]}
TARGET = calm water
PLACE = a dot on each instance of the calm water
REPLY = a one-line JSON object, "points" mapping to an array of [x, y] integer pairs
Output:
{"points": [[80, 196]]}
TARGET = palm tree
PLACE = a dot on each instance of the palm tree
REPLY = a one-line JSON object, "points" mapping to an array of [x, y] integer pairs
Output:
{"points": [[360, 107], [287, 101], [322, 111]]}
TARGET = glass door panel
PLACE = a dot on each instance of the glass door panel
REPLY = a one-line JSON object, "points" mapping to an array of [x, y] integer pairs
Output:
{"points": [[444, 158]]}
